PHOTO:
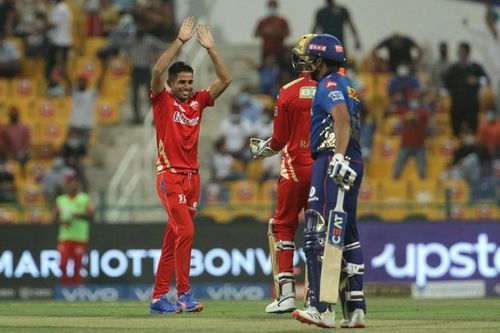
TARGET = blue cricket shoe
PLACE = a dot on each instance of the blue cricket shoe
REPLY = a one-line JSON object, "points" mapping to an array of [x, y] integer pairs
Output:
{"points": [[187, 303], [163, 306]]}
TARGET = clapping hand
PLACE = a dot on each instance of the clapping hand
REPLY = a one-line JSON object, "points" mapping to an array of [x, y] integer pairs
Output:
{"points": [[205, 37], [187, 29]]}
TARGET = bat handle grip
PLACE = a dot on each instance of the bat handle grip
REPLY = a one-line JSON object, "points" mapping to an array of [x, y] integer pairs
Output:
{"points": [[340, 199]]}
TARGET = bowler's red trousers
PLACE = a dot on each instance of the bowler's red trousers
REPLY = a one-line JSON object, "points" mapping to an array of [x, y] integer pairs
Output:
{"points": [[179, 193], [291, 199]]}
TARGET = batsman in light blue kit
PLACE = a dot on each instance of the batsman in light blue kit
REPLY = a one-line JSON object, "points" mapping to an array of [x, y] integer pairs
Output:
{"points": [[335, 148]]}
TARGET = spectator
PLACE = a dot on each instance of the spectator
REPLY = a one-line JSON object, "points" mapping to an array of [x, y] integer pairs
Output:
{"points": [[7, 182], [414, 125], [471, 160], [250, 108], [84, 98], [73, 213], [489, 35], [36, 39], [399, 49], [157, 19], [273, 30], [94, 24], [53, 180], [16, 138], [8, 17], [488, 133], [403, 85], [60, 35], [142, 50], [121, 36], [236, 132], [463, 82], [367, 130], [331, 20], [74, 151], [440, 66], [9, 58], [222, 164]]}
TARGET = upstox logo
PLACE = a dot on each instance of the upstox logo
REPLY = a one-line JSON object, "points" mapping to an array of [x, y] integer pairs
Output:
{"points": [[461, 260]]}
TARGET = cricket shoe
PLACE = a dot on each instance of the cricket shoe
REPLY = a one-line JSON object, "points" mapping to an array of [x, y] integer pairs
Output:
{"points": [[162, 306], [282, 305], [187, 303], [356, 320], [312, 316]]}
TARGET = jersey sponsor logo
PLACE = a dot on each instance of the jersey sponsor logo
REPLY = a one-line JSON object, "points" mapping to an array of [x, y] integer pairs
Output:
{"points": [[182, 198], [312, 195], [336, 95], [182, 119], [317, 47], [307, 92], [275, 111], [179, 107], [339, 48], [195, 105], [330, 83], [353, 93]]}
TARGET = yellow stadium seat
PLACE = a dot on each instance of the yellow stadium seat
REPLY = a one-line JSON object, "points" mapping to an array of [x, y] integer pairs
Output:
{"points": [[387, 148], [4, 89], [393, 213], [106, 111], [378, 168], [254, 169], [88, 67], [395, 192], [483, 212], [369, 192], [36, 169], [119, 68], [221, 214], [8, 214], [458, 190], [93, 44], [244, 198], [267, 197], [53, 131], [49, 109], [25, 88], [31, 195], [37, 215]]}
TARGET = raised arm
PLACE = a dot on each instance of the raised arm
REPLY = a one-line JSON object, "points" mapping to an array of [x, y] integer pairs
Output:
{"points": [[223, 80], [185, 33]]}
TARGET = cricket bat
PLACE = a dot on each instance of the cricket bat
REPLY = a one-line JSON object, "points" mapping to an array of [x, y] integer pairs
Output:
{"points": [[332, 255], [272, 252]]}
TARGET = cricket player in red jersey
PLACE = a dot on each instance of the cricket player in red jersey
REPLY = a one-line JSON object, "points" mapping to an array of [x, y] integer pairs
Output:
{"points": [[177, 115], [290, 134]]}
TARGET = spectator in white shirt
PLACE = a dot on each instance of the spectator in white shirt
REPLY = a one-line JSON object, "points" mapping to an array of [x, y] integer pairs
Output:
{"points": [[60, 21], [9, 58]]}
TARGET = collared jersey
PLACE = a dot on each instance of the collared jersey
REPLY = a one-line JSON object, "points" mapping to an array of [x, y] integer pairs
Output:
{"points": [[177, 129], [292, 125], [334, 89]]}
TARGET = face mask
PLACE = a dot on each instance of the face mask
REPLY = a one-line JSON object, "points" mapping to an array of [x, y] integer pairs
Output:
{"points": [[469, 139], [403, 71], [73, 142], [490, 116], [414, 104], [271, 11], [235, 118]]}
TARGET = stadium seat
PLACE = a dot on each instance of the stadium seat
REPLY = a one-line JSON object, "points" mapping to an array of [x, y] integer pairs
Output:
{"points": [[458, 190], [119, 68], [395, 192], [51, 109], [9, 214], [24, 88], [254, 169], [93, 44], [53, 131], [4, 89], [31, 194], [36, 169], [106, 111], [369, 192], [244, 198], [37, 215], [267, 197], [89, 67]]}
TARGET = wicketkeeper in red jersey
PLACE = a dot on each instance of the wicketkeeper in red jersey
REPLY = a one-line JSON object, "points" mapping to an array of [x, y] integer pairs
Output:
{"points": [[290, 134], [177, 116]]}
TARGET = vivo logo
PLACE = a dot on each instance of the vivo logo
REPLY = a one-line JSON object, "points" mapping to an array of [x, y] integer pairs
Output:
{"points": [[86, 294], [461, 260], [230, 292]]}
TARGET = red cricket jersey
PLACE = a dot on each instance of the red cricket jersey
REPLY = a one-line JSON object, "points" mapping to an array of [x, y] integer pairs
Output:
{"points": [[292, 126], [177, 129]]}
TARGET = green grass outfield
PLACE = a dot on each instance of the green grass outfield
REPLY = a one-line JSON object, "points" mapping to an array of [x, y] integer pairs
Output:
{"points": [[385, 315]]}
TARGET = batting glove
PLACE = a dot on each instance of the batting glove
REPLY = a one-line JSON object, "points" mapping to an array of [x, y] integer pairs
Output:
{"points": [[341, 172]]}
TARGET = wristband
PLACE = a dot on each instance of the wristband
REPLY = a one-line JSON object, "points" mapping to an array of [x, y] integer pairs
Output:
{"points": [[182, 41]]}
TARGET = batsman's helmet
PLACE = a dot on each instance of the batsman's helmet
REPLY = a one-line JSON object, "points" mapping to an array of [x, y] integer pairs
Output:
{"points": [[327, 47], [300, 61]]}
